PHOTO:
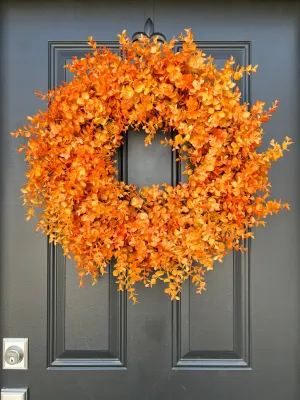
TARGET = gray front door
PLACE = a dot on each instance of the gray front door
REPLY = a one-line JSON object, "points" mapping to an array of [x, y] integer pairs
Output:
{"points": [[240, 338]]}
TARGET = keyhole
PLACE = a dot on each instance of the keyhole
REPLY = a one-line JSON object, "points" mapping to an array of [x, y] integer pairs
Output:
{"points": [[11, 360]]}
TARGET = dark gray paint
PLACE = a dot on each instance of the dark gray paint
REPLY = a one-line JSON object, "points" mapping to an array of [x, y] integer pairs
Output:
{"points": [[147, 348], [92, 298], [204, 327]]}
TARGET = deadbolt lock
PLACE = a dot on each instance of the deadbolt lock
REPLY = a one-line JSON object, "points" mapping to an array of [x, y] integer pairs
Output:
{"points": [[13, 355]]}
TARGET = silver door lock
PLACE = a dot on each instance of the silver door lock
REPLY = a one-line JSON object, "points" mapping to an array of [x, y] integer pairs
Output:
{"points": [[15, 353]]}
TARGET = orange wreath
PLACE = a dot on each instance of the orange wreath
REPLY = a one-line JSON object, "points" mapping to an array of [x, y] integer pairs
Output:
{"points": [[169, 233]]}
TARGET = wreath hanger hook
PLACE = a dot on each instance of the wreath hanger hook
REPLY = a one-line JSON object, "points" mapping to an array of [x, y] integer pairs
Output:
{"points": [[149, 32]]}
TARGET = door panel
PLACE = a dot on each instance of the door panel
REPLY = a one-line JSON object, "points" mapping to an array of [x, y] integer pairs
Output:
{"points": [[240, 338], [97, 337], [95, 299], [197, 342]]}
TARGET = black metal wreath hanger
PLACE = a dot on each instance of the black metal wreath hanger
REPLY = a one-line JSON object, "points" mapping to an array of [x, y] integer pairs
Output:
{"points": [[149, 32]]}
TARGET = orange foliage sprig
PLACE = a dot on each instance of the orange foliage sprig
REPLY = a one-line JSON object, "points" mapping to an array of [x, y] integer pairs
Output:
{"points": [[167, 234]]}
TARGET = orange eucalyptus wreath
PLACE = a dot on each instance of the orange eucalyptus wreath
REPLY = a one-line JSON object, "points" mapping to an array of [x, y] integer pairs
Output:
{"points": [[169, 233]]}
